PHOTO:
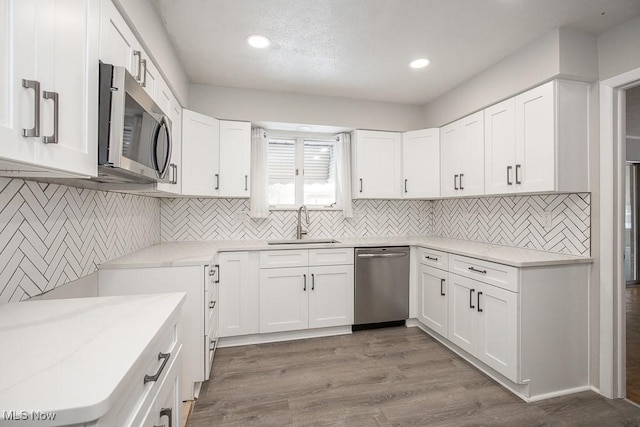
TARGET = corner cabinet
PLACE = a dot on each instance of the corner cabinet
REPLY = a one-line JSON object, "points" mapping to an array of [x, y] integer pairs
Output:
{"points": [[421, 164], [306, 289], [377, 165], [538, 141], [462, 157], [49, 81]]}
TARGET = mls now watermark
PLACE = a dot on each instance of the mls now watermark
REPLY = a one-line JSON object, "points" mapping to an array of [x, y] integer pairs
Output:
{"points": [[28, 416]]}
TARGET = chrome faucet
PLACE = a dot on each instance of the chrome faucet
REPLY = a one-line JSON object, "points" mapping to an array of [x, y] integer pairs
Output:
{"points": [[299, 231]]}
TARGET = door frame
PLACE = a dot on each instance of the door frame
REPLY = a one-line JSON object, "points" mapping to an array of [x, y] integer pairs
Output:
{"points": [[612, 369]]}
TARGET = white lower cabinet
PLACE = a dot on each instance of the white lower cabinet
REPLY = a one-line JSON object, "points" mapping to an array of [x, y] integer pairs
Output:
{"points": [[511, 322], [199, 313], [483, 321], [238, 293], [304, 297], [432, 298]]}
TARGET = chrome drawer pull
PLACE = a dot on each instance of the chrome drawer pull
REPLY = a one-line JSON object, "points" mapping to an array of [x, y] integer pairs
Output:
{"points": [[430, 258], [212, 345], [165, 358], [53, 138], [478, 271], [166, 412], [212, 304]]}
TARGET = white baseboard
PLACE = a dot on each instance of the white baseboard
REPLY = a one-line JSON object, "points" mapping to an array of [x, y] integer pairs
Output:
{"points": [[282, 336]]}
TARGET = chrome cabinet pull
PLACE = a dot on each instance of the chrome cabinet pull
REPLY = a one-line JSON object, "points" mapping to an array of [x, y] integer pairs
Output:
{"points": [[461, 187], [478, 271], [139, 55], [430, 258], [174, 168], [304, 279], [144, 76], [212, 304], [455, 182], [361, 185], [509, 168], [442, 287], [246, 183], [212, 345], [517, 174], [217, 182], [35, 130], [217, 267], [479, 309], [166, 412], [405, 185], [313, 282], [471, 291], [165, 358], [53, 139]]}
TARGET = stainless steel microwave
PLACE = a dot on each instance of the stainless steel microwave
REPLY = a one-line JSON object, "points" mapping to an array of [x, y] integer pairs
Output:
{"points": [[134, 135]]}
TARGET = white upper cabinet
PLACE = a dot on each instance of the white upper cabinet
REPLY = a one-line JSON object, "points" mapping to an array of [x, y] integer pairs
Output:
{"points": [[500, 147], [48, 118], [118, 44], [538, 141], [200, 151], [235, 158], [421, 163], [377, 165], [462, 157]]}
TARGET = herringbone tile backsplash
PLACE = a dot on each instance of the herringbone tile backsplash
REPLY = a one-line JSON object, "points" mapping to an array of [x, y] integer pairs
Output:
{"points": [[512, 221], [51, 234], [213, 219]]}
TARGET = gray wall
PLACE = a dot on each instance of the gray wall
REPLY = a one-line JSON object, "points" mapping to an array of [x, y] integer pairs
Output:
{"points": [[267, 106], [560, 53]]}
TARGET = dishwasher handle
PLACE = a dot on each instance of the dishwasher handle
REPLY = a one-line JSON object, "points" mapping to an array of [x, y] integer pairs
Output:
{"points": [[383, 255]]}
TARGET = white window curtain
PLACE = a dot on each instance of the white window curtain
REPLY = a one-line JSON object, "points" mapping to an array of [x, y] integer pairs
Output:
{"points": [[344, 173], [259, 204]]}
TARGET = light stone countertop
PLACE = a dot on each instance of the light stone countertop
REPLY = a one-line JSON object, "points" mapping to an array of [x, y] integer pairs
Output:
{"points": [[70, 356], [172, 254]]}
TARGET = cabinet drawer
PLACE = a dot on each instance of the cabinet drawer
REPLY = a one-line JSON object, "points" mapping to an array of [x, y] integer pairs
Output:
{"points": [[434, 258], [211, 306], [337, 256], [502, 276], [211, 344], [284, 258]]}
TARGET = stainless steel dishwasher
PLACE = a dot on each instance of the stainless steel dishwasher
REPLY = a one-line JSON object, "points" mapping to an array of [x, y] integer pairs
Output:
{"points": [[382, 285]]}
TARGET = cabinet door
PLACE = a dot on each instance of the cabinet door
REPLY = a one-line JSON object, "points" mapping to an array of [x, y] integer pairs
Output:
{"points": [[500, 148], [17, 62], [497, 311], [331, 296], [432, 298], [284, 299], [471, 155], [150, 76], [535, 140], [118, 45], [449, 160], [68, 48], [462, 319], [377, 165], [200, 151], [235, 296], [421, 163], [235, 158]]}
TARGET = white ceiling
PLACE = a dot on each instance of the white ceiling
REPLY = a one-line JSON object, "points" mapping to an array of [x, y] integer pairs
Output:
{"points": [[361, 48]]}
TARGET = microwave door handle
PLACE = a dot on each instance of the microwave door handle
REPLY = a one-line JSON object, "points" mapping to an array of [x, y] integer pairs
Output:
{"points": [[162, 127]]}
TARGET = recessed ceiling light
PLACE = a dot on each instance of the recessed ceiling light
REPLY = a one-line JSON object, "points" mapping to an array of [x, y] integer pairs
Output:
{"points": [[258, 41], [304, 127], [419, 63]]}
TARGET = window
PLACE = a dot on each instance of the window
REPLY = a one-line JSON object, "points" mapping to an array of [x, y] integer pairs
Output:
{"points": [[302, 171]]}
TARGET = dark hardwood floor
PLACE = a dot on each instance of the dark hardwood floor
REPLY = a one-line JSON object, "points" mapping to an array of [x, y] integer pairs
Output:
{"points": [[385, 377], [633, 343]]}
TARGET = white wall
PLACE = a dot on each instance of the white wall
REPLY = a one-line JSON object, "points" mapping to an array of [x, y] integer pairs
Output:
{"points": [[147, 23], [618, 49], [560, 53], [267, 106]]}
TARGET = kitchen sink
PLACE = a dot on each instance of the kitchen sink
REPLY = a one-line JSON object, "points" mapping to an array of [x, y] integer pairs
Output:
{"points": [[301, 242]]}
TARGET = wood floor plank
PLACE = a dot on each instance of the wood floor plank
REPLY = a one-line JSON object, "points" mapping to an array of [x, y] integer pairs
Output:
{"points": [[385, 377]]}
